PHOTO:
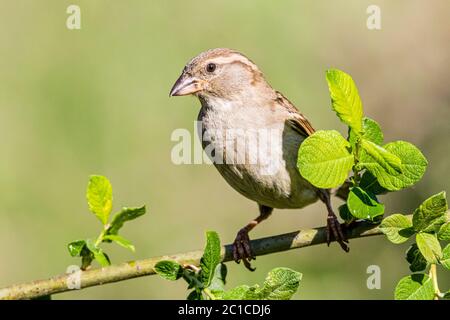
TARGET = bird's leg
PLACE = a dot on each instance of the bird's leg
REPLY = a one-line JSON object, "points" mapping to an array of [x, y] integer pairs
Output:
{"points": [[333, 226], [242, 249]]}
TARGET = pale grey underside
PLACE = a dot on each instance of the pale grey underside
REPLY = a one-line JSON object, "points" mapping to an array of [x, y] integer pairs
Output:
{"points": [[276, 182]]}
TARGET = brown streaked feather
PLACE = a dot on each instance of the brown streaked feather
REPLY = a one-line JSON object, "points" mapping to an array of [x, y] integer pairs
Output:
{"points": [[297, 121]]}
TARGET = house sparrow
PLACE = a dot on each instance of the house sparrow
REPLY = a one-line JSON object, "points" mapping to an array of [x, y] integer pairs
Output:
{"points": [[235, 96]]}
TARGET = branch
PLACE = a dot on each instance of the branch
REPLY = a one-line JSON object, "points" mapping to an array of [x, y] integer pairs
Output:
{"points": [[145, 267]]}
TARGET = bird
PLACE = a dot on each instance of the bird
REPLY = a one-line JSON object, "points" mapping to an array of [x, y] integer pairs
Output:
{"points": [[236, 98]]}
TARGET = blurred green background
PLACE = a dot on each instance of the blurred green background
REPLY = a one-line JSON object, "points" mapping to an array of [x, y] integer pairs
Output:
{"points": [[95, 100]]}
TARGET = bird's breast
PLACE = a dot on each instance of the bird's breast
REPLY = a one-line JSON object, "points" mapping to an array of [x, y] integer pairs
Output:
{"points": [[256, 152]]}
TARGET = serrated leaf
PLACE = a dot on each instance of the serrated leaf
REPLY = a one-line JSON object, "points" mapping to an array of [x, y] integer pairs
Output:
{"points": [[429, 246], [415, 287], [431, 214], [243, 292], [413, 166], [218, 281], [370, 183], [397, 228], [169, 270], [324, 159], [416, 260], [374, 154], [210, 258], [120, 241], [126, 214], [101, 257], [75, 247], [371, 132], [281, 284], [444, 232], [345, 99], [99, 197], [364, 205], [445, 260]]}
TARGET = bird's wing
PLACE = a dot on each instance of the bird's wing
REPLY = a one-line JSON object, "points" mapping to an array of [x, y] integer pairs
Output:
{"points": [[297, 121]]}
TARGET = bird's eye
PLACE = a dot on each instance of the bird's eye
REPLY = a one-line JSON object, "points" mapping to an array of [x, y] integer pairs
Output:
{"points": [[211, 67]]}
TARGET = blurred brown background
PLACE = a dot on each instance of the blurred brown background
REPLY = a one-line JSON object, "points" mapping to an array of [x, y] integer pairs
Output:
{"points": [[95, 100]]}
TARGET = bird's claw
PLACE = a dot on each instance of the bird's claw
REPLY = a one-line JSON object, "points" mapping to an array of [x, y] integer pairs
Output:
{"points": [[242, 249], [334, 229]]}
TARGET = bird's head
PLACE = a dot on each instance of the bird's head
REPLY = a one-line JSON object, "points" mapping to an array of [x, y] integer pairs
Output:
{"points": [[219, 73]]}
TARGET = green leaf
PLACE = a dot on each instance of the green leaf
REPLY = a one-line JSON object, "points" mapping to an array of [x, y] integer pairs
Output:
{"points": [[364, 205], [370, 183], [431, 214], [79, 249], [193, 279], [169, 270], [120, 241], [243, 292], [195, 295], [397, 228], [447, 295], [416, 260], [344, 213], [75, 248], [445, 260], [99, 196], [281, 284], [86, 258], [371, 132], [98, 253], [375, 155], [126, 214], [413, 166], [415, 287], [429, 246], [345, 99], [218, 281], [324, 159], [444, 232], [210, 258]]}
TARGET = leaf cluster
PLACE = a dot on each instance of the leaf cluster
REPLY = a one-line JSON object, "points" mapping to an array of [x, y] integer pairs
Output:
{"points": [[99, 197], [326, 159], [208, 281], [429, 227]]}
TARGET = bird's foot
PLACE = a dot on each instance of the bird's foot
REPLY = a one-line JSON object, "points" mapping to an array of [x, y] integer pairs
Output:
{"points": [[242, 249], [334, 229]]}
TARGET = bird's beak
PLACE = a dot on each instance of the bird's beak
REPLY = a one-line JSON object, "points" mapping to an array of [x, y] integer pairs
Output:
{"points": [[186, 85]]}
